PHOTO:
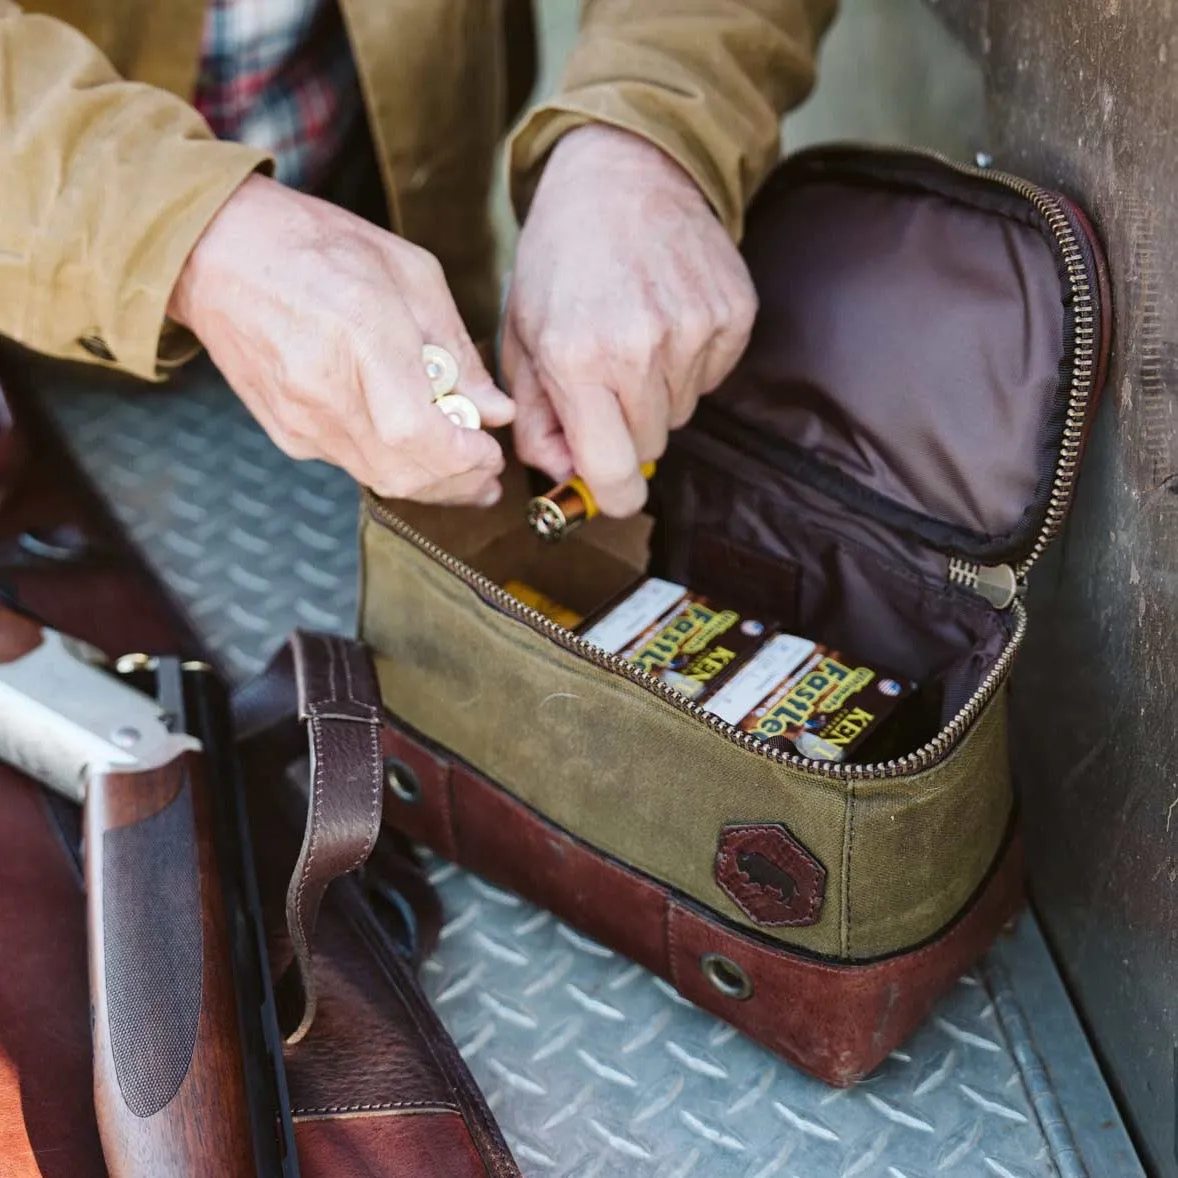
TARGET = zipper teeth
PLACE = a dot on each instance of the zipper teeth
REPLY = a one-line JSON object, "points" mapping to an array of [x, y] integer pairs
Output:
{"points": [[963, 572], [1083, 373], [1082, 383], [913, 762]]}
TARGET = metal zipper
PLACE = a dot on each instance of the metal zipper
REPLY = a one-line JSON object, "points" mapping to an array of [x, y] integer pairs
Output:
{"points": [[1084, 329], [913, 762], [973, 575], [998, 584]]}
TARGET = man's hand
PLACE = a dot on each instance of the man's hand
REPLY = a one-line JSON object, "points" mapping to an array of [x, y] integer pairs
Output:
{"points": [[628, 302], [317, 320]]}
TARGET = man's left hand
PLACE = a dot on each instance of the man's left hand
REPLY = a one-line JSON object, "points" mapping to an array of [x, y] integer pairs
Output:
{"points": [[628, 303]]}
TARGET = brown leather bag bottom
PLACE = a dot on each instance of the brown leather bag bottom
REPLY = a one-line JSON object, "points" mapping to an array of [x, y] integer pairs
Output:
{"points": [[837, 1021]]}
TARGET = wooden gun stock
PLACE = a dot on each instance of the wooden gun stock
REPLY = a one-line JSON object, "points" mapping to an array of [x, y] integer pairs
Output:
{"points": [[169, 1074], [188, 1070]]}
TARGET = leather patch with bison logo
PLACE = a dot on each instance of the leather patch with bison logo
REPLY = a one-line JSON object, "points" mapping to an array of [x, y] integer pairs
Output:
{"points": [[769, 875]]}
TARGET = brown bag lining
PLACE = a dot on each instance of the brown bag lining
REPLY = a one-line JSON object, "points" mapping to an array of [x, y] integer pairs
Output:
{"points": [[912, 347]]}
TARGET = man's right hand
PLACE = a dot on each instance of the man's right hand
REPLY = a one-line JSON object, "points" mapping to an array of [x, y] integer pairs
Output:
{"points": [[317, 320]]}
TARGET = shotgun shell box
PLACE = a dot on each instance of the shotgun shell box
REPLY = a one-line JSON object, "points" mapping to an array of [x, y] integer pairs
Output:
{"points": [[799, 696], [676, 635]]}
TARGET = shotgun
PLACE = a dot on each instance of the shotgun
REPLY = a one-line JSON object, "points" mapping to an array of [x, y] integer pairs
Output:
{"points": [[188, 1072]]}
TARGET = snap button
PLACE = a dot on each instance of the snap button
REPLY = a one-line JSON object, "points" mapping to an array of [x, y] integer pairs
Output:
{"points": [[96, 346]]}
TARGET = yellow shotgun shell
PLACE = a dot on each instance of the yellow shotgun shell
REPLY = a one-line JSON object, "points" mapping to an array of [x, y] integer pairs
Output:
{"points": [[566, 507]]}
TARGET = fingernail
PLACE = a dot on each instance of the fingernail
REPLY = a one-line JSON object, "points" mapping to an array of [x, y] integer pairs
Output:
{"points": [[491, 497]]}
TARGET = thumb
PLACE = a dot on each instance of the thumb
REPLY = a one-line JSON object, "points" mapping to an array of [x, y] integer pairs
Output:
{"points": [[496, 408], [447, 449]]}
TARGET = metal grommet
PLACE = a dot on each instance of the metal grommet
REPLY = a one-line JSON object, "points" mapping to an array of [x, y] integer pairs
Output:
{"points": [[726, 976], [402, 781], [136, 662]]}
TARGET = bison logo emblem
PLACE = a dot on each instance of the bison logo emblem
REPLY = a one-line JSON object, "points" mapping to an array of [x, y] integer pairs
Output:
{"points": [[769, 875]]}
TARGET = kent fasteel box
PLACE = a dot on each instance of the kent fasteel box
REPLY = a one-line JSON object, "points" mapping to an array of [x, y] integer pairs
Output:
{"points": [[800, 696], [677, 635]]}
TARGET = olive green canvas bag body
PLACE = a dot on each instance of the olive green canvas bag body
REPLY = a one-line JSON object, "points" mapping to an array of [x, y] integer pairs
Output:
{"points": [[880, 474]]}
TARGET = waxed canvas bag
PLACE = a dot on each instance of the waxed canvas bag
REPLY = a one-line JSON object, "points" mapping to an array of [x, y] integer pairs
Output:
{"points": [[880, 473]]}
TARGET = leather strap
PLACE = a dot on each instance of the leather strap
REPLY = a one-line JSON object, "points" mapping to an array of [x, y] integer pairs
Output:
{"points": [[328, 683]]}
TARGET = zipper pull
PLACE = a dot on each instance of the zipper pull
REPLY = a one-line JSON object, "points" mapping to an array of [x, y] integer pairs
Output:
{"points": [[998, 584]]}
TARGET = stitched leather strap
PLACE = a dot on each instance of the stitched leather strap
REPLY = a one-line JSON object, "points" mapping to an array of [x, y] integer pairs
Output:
{"points": [[328, 683]]}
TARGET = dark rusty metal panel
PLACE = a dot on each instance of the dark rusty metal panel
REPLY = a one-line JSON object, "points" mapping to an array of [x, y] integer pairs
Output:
{"points": [[1083, 96]]}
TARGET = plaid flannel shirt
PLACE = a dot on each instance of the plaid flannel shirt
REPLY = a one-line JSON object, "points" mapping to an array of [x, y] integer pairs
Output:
{"points": [[279, 75]]}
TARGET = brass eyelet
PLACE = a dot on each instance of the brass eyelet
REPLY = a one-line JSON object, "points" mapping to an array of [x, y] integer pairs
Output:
{"points": [[402, 781], [726, 976]]}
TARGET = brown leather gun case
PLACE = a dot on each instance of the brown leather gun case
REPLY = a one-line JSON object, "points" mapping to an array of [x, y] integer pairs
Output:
{"points": [[377, 1087]]}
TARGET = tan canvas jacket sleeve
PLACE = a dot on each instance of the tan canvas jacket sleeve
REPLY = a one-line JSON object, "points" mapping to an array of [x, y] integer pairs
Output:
{"points": [[706, 80], [106, 187]]}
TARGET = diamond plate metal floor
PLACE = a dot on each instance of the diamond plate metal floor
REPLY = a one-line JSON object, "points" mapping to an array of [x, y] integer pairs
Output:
{"points": [[594, 1067]]}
